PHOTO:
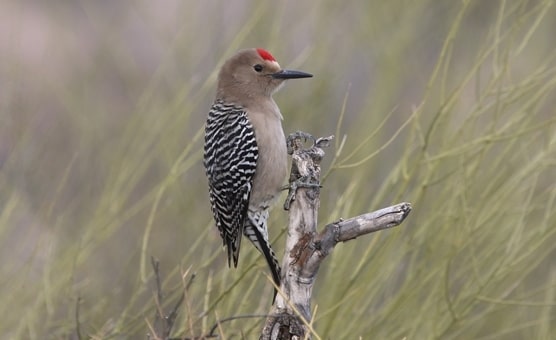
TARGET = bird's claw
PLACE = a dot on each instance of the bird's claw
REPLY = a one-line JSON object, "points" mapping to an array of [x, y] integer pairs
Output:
{"points": [[293, 186]]}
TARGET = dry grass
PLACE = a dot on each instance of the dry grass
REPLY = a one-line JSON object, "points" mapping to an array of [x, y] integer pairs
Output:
{"points": [[449, 106]]}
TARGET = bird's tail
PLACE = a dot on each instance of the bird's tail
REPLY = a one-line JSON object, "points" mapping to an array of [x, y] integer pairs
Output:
{"points": [[257, 232]]}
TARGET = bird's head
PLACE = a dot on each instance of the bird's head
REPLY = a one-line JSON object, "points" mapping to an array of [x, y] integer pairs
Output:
{"points": [[253, 73]]}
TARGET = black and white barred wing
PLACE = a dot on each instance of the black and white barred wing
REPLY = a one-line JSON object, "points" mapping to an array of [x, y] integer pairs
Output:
{"points": [[230, 161]]}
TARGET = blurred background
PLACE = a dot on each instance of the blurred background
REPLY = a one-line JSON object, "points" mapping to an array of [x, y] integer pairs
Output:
{"points": [[447, 105]]}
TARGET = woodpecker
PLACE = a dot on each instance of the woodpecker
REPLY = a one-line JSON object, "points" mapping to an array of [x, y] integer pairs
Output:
{"points": [[245, 154]]}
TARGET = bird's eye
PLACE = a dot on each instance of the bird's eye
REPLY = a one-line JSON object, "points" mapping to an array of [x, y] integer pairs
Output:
{"points": [[258, 67]]}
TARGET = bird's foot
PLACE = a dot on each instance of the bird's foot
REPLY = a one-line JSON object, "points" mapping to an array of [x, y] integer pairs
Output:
{"points": [[293, 186]]}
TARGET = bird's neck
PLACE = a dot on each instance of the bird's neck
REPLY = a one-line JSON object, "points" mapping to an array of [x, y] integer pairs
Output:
{"points": [[259, 104]]}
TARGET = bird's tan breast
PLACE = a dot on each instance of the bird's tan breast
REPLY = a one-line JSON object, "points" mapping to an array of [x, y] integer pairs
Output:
{"points": [[272, 160]]}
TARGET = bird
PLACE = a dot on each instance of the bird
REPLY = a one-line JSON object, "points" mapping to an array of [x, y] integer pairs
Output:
{"points": [[245, 154]]}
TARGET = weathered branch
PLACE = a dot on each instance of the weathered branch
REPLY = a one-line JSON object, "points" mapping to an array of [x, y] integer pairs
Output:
{"points": [[305, 248]]}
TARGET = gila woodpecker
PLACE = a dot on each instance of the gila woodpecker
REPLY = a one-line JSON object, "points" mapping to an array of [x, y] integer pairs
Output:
{"points": [[245, 150]]}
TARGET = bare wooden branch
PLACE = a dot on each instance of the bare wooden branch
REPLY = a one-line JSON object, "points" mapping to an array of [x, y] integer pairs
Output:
{"points": [[305, 250]]}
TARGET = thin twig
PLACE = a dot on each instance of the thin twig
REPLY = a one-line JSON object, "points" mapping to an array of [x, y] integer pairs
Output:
{"points": [[171, 318], [155, 264], [166, 322], [77, 323]]}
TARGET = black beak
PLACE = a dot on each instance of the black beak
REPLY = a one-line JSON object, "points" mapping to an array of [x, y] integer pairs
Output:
{"points": [[290, 74]]}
